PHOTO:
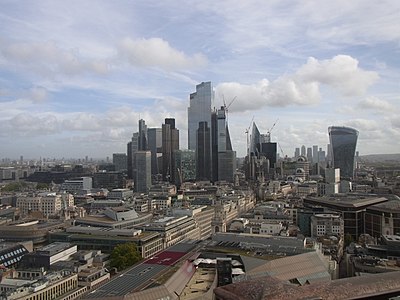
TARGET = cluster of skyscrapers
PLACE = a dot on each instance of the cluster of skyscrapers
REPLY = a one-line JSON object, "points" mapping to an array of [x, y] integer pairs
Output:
{"points": [[153, 153]]}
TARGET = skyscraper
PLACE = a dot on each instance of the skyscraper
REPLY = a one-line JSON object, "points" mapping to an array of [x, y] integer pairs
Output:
{"points": [[142, 142], [226, 163], [132, 148], [185, 162], [203, 152], [343, 141], [255, 140], [170, 143], [199, 110], [143, 171], [303, 151], [315, 158], [296, 152], [154, 144]]}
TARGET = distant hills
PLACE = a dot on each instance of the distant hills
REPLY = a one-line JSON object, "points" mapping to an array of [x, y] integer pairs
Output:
{"points": [[381, 157]]}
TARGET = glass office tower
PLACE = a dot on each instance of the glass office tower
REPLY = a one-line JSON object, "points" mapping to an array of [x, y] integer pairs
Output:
{"points": [[199, 110], [343, 142]]}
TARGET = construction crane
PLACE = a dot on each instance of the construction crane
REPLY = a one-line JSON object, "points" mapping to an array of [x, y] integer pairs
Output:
{"points": [[247, 133], [226, 107], [269, 131]]}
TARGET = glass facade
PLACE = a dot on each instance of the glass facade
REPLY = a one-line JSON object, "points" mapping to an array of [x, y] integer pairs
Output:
{"points": [[199, 110], [343, 141]]}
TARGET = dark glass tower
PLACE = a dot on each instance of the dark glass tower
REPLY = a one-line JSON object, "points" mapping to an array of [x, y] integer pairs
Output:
{"points": [[170, 143], [343, 142], [203, 153]]}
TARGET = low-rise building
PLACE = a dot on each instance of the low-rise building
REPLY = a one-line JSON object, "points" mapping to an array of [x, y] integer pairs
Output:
{"points": [[174, 229], [327, 224]]}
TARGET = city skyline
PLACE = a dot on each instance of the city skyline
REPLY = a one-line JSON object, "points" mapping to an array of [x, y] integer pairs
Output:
{"points": [[75, 77]]}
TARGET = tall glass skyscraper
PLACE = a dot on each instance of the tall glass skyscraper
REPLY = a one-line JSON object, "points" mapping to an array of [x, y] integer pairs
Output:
{"points": [[199, 110], [343, 142]]}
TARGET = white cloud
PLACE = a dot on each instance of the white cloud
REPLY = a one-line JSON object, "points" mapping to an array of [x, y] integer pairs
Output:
{"points": [[48, 59], [156, 52], [376, 104], [341, 73], [38, 94]]}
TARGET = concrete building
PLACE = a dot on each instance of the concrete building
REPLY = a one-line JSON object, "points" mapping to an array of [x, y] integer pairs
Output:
{"points": [[49, 204], [327, 225], [115, 217], [143, 171], [75, 185], [121, 194], [174, 229], [48, 255], [105, 239], [52, 286], [35, 231]]}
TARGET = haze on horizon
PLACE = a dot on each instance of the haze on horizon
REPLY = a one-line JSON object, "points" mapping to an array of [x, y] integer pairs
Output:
{"points": [[76, 76]]}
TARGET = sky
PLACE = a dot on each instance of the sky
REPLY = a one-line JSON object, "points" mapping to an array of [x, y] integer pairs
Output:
{"points": [[76, 76]]}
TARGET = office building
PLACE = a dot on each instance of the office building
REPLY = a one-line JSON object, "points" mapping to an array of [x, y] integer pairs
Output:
{"points": [[296, 152], [154, 142], [132, 148], [143, 171], [303, 150], [120, 161], [142, 141], [75, 185], [199, 110], [269, 151], [315, 154], [185, 162], [203, 152], [109, 180], [170, 143], [226, 162], [255, 141], [309, 154], [327, 224], [343, 141]]}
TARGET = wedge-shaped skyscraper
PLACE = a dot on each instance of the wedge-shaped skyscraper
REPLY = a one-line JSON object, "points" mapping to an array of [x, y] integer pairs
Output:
{"points": [[343, 143]]}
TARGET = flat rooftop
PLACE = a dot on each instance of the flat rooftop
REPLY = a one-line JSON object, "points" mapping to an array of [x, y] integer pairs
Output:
{"points": [[347, 201]]}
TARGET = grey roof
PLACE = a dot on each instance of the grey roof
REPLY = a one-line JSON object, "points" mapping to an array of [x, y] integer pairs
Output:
{"points": [[302, 268], [127, 282], [361, 287]]}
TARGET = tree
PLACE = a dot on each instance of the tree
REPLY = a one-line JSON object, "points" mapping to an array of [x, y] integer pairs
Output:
{"points": [[124, 256], [348, 239]]}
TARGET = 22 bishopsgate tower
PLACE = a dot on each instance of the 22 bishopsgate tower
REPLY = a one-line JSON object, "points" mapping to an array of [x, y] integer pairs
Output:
{"points": [[208, 135]]}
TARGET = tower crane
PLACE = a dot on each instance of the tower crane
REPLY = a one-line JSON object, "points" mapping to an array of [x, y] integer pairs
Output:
{"points": [[226, 107], [269, 131], [247, 133]]}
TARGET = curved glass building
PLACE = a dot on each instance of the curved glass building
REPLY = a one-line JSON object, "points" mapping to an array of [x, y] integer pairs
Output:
{"points": [[343, 143]]}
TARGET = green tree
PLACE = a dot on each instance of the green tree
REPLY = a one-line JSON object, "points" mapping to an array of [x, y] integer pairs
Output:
{"points": [[42, 186], [124, 256], [14, 187], [348, 239]]}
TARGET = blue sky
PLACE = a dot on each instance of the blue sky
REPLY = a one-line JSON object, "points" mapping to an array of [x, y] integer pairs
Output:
{"points": [[75, 76]]}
